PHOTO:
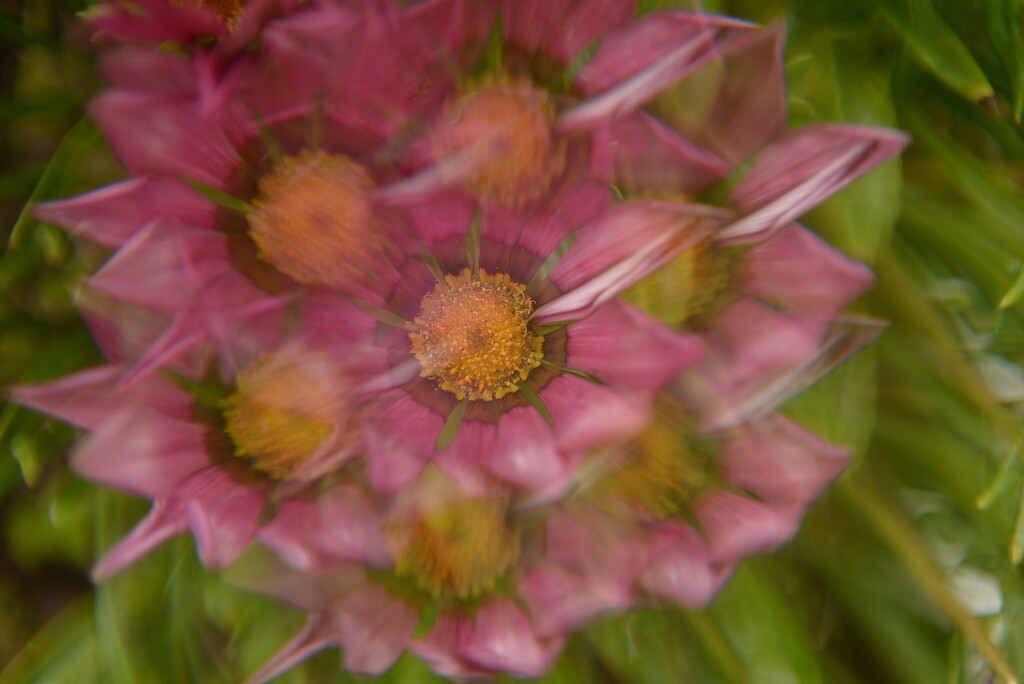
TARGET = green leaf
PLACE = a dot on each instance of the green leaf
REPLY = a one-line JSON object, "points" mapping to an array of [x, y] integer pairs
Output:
{"points": [[80, 143], [451, 426], [537, 402], [1016, 290], [220, 197], [1003, 23], [937, 47]]}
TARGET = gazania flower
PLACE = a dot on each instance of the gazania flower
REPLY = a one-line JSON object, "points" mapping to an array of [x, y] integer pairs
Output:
{"points": [[215, 458], [717, 476], [476, 270], [253, 136], [508, 363], [253, 139], [451, 553]]}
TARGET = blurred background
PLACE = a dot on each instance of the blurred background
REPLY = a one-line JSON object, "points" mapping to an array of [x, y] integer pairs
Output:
{"points": [[906, 572]]}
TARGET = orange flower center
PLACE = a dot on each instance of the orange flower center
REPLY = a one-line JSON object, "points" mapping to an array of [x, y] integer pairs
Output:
{"points": [[473, 336], [288, 416], [504, 130], [685, 287], [660, 470], [457, 551], [313, 219]]}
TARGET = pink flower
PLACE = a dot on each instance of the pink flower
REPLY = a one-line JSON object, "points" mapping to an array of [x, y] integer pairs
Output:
{"points": [[450, 551], [718, 476], [453, 303], [211, 455]]}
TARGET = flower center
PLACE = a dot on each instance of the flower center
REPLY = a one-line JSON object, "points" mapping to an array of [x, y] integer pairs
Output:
{"points": [[661, 470], [503, 131], [685, 287], [313, 219], [473, 337], [459, 550], [288, 414]]}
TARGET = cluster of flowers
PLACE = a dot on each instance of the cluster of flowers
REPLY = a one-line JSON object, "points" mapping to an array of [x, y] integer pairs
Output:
{"points": [[422, 300]]}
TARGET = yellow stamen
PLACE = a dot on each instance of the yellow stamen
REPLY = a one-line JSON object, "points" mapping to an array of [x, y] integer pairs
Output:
{"points": [[683, 288], [313, 219], [473, 336], [660, 471], [284, 411], [459, 550], [505, 128]]}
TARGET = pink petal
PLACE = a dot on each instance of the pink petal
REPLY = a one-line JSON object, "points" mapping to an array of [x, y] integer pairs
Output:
{"points": [[680, 569], [561, 28], [755, 348], [780, 269], [462, 459], [400, 437], [223, 516], [737, 526], [87, 398], [725, 398], [165, 266], [639, 153], [174, 345], [586, 414], [319, 632], [376, 50], [803, 168], [618, 249], [145, 69], [111, 215], [525, 454], [609, 553], [287, 74], [640, 61], [155, 21], [156, 133], [440, 649], [739, 102], [561, 602], [374, 629], [141, 452], [454, 23], [579, 205], [440, 216], [166, 519], [781, 462], [339, 524], [623, 346], [122, 331], [504, 641], [541, 232], [253, 16], [647, 41]]}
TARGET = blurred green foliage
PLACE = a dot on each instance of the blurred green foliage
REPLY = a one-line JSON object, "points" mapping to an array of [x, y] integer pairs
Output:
{"points": [[907, 571]]}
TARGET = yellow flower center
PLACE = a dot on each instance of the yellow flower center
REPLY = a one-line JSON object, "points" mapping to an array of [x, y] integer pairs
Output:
{"points": [[660, 470], [504, 128], [458, 551], [472, 335], [685, 287], [284, 411], [313, 219]]}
